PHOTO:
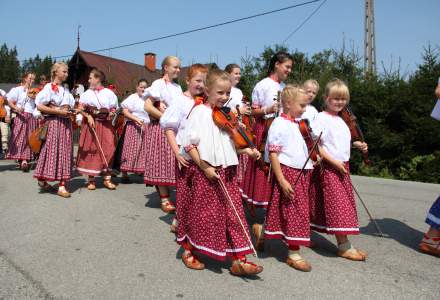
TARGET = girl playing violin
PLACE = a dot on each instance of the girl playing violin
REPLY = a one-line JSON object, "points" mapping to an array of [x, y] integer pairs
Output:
{"points": [[133, 156], [256, 188], [173, 123], [55, 159], [333, 207], [287, 216], [97, 142], [22, 103], [209, 224], [160, 169]]}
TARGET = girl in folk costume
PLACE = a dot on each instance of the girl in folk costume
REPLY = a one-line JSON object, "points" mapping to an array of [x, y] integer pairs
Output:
{"points": [[210, 224], [236, 103], [133, 157], [23, 104], [333, 207], [287, 216], [160, 169], [256, 187], [97, 142], [55, 159], [311, 86], [173, 123]]}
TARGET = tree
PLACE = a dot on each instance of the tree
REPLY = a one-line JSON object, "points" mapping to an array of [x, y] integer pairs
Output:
{"points": [[9, 65]]}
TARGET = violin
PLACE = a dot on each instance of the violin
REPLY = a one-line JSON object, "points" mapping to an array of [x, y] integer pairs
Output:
{"points": [[3, 103], [246, 119], [306, 132], [356, 133], [226, 120]]}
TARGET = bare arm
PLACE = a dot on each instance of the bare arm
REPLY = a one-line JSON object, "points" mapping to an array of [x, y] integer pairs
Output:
{"points": [[276, 168], [52, 111], [171, 137], [130, 116], [204, 166], [151, 110], [338, 165]]}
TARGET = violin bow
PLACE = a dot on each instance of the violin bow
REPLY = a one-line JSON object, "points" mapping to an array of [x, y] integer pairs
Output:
{"points": [[307, 160], [98, 143], [228, 197], [278, 101], [379, 231]]}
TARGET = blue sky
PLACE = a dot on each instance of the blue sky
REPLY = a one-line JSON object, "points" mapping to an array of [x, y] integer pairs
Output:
{"points": [[403, 28]]}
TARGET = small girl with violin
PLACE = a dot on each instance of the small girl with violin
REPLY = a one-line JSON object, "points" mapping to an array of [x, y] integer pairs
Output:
{"points": [[287, 216], [214, 222], [133, 156], [56, 156], [97, 141], [21, 100], [333, 206], [160, 170], [173, 123], [311, 87]]}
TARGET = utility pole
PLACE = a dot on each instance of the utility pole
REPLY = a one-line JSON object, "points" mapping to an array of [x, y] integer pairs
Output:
{"points": [[369, 40]]}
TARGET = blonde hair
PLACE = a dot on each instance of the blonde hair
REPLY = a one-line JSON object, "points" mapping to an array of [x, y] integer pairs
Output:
{"points": [[216, 75], [167, 61], [337, 88], [309, 82], [55, 68], [291, 92]]}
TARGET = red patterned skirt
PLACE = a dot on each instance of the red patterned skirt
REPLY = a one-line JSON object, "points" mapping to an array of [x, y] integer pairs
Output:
{"points": [[256, 188], [56, 157], [160, 165], [208, 222], [90, 160], [133, 150], [243, 160], [332, 202], [184, 176], [289, 219], [24, 124]]}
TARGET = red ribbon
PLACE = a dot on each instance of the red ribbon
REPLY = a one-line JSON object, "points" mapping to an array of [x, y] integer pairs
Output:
{"points": [[54, 87]]}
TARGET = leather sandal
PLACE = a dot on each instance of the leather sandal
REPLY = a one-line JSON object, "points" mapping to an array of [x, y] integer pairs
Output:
{"points": [[299, 264], [259, 238], [63, 193], [242, 267], [430, 246], [108, 184], [25, 167], [91, 185], [45, 187], [353, 254], [173, 227], [191, 261], [167, 206]]}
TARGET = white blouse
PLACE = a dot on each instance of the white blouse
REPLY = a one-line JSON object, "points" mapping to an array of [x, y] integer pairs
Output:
{"points": [[58, 97], [285, 139], [213, 144], [336, 137], [164, 91], [135, 105], [18, 96], [236, 98], [104, 98], [265, 93], [311, 113]]}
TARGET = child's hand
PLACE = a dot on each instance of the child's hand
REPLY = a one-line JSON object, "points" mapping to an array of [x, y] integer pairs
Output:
{"points": [[340, 166], [437, 91], [286, 188], [253, 153], [211, 174], [182, 160], [362, 146]]}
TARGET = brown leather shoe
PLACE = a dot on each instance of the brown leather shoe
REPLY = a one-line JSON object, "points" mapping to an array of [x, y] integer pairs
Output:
{"points": [[91, 185], [191, 261], [259, 238], [430, 246], [167, 206], [353, 254], [64, 194], [245, 268], [108, 184], [299, 264]]}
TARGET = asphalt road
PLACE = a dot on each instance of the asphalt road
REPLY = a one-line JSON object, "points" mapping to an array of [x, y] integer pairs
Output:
{"points": [[117, 245]]}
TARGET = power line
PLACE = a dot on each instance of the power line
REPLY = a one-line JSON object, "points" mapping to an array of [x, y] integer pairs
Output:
{"points": [[200, 28], [305, 21]]}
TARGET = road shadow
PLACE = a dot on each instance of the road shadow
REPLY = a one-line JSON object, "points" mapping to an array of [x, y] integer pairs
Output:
{"points": [[12, 166], [396, 230]]}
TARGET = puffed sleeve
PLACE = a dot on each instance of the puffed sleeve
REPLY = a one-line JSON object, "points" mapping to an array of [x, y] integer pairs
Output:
{"points": [[256, 96], [43, 97], [126, 104], [12, 95], [276, 136], [83, 98], [172, 117], [318, 126], [191, 135], [155, 89]]}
